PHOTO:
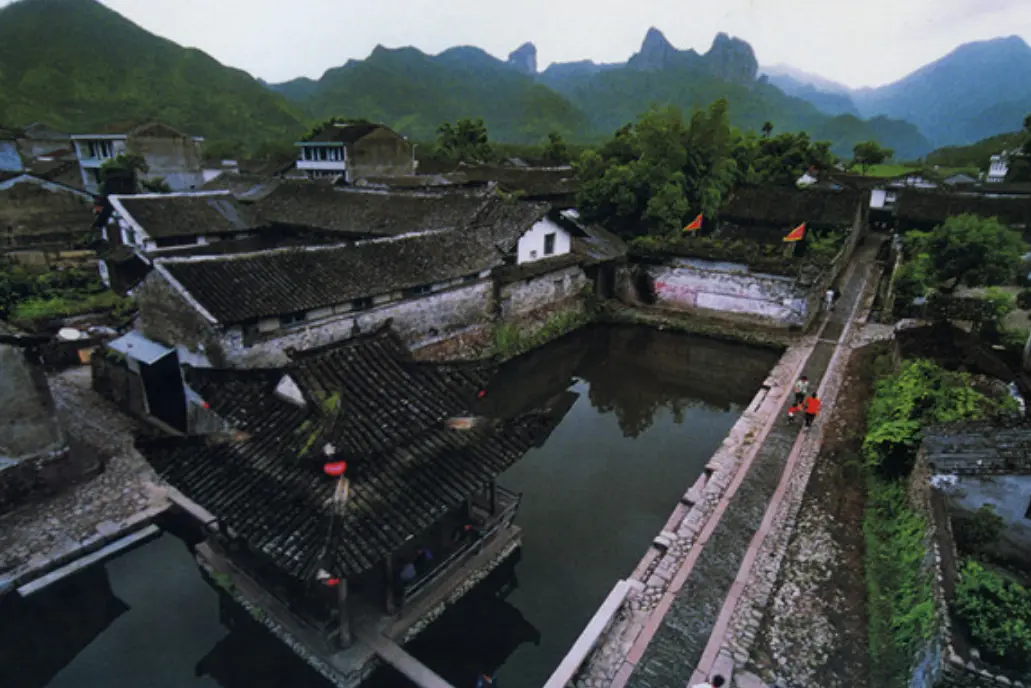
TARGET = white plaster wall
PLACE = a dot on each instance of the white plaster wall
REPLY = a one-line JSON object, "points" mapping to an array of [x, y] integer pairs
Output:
{"points": [[729, 288], [526, 296], [416, 320], [533, 242]]}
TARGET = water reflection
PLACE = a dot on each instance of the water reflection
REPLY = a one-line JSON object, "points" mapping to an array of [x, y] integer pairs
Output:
{"points": [[646, 410], [42, 634]]}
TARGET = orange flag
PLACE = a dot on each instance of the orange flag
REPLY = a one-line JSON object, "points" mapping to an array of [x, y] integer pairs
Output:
{"points": [[695, 225], [797, 234]]}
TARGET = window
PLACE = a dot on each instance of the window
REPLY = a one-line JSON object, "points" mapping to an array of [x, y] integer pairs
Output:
{"points": [[362, 304], [291, 319], [549, 244], [418, 291]]}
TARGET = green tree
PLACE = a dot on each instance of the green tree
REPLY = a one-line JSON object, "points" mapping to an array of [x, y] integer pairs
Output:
{"points": [[971, 250], [870, 153], [556, 151], [998, 613], [465, 141], [121, 175], [767, 129]]}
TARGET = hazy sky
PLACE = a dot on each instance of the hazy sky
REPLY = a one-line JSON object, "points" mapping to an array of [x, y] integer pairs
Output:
{"points": [[856, 42]]}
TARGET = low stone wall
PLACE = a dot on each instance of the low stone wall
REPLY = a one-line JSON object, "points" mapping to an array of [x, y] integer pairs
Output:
{"points": [[31, 477], [524, 298]]}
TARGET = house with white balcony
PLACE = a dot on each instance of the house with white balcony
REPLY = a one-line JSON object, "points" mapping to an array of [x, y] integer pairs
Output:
{"points": [[171, 155], [355, 150], [999, 166]]}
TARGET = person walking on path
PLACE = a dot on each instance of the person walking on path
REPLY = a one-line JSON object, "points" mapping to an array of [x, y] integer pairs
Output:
{"points": [[829, 299], [801, 389], [812, 409], [714, 682]]}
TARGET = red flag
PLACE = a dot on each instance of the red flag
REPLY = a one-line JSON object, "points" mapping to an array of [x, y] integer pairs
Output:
{"points": [[797, 234], [695, 225]]}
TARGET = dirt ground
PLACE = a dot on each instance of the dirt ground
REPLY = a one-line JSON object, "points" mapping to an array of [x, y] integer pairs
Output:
{"points": [[815, 634]]}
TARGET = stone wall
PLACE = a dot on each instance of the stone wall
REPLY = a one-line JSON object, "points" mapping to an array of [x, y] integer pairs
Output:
{"points": [[176, 159], [419, 320], [167, 318], [382, 153], [523, 299], [938, 664]]}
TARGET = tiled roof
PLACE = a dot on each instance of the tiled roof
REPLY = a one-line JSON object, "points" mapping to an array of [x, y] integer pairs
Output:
{"points": [[246, 287], [533, 182], [170, 215], [932, 207], [245, 187], [976, 448], [345, 133], [790, 206], [279, 502], [363, 213]]}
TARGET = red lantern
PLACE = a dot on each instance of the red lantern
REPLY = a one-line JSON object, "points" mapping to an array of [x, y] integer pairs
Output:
{"points": [[482, 393], [333, 582], [205, 405], [335, 469]]}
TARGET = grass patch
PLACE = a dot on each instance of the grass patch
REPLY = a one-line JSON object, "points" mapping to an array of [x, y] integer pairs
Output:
{"points": [[510, 340], [47, 308], [900, 601]]}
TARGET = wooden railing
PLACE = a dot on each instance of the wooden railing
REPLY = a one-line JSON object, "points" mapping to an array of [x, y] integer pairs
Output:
{"points": [[507, 506]]}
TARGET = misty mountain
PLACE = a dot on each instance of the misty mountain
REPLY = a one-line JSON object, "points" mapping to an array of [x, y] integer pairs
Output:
{"points": [[978, 90], [828, 96]]}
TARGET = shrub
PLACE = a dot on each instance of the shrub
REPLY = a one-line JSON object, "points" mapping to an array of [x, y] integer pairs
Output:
{"points": [[1024, 299], [998, 614], [899, 593], [979, 532], [922, 393]]}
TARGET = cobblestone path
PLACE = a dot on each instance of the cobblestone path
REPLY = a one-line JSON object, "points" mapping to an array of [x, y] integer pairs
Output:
{"points": [[678, 644]]}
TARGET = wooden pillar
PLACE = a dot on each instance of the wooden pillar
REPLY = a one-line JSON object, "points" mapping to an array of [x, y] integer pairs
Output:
{"points": [[391, 603], [346, 634]]}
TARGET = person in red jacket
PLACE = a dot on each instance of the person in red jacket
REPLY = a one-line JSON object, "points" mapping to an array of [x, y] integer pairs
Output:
{"points": [[812, 409]]}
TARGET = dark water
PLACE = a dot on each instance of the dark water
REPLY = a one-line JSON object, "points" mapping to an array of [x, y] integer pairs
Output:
{"points": [[645, 412]]}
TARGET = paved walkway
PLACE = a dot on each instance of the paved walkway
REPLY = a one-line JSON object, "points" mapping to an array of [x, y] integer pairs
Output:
{"points": [[680, 640]]}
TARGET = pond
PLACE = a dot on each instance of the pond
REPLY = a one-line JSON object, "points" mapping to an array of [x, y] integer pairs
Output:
{"points": [[644, 411]]}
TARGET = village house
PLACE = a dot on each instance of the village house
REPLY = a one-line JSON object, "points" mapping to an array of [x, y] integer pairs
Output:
{"points": [[170, 155], [746, 276], [34, 453], [245, 309], [352, 150], [38, 215], [338, 501], [999, 166]]}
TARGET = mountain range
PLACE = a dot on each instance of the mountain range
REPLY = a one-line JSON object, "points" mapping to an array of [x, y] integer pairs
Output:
{"points": [[78, 65], [980, 89]]}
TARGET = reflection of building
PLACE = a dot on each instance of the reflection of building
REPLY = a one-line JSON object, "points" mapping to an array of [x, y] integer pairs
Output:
{"points": [[42, 634], [333, 576]]}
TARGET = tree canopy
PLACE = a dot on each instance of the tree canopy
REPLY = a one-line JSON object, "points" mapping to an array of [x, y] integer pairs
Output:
{"points": [[556, 150], [654, 174], [870, 153], [465, 141], [967, 249]]}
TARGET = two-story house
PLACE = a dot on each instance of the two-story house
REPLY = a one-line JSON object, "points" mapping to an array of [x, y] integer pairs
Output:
{"points": [[170, 155], [355, 150]]}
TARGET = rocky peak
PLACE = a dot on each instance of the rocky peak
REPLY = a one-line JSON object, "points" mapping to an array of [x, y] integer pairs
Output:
{"points": [[524, 58], [656, 52], [732, 59]]}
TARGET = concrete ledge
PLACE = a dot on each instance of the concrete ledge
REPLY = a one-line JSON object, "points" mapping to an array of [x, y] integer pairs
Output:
{"points": [[589, 637]]}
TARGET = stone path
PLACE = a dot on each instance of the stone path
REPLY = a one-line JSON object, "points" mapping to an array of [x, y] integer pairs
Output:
{"points": [[677, 647], [35, 535]]}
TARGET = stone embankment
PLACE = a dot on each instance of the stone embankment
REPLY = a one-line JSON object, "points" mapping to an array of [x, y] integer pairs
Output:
{"points": [[38, 536], [698, 563]]}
